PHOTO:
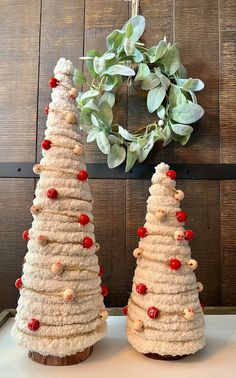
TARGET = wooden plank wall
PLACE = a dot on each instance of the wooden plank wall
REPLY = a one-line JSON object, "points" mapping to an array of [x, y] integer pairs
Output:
{"points": [[30, 46]]}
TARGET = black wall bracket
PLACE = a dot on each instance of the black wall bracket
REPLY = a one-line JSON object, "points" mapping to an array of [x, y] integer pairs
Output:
{"points": [[140, 171]]}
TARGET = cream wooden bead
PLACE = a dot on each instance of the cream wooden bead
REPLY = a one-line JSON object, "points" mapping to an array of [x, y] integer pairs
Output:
{"points": [[179, 195], [188, 313], [199, 287], [37, 169], [71, 118], [97, 246], [137, 253], [42, 240], [78, 149], [192, 264], [57, 267], [103, 315], [69, 295], [35, 209], [73, 93], [160, 214], [179, 235], [138, 326]]}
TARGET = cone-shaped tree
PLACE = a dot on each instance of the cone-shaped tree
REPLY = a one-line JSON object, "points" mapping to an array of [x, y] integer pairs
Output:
{"points": [[60, 310], [165, 318]]}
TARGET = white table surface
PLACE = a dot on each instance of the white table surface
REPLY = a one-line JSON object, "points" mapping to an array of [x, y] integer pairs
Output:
{"points": [[113, 357]]}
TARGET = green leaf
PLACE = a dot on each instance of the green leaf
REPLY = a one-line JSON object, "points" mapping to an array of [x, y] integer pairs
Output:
{"points": [[116, 156], [112, 82], [144, 151], [89, 94], [156, 52], [99, 64], [90, 105], [129, 30], [150, 81], [187, 113], [94, 120], [183, 139], [154, 98], [143, 71], [105, 113], [103, 142], [197, 85], [130, 160], [119, 69], [113, 139], [115, 39], [173, 94], [78, 77], [109, 97], [161, 111], [137, 56], [92, 134], [181, 99], [171, 60], [138, 24], [92, 54], [193, 96], [182, 71], [126, 135], [129, 46], [167, 135], [108, 56], [181, 129]]}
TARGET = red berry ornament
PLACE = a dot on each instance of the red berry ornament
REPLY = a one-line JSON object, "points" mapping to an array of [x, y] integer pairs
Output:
{"points": [[101, 271], [18, 283], [52, 193], [153, 312], [142, 232], [141, 288], [33, 325], [53, 82], [125, 310], [46, 109], [25, 235], [175, 264], [105, 290], [46, 144], [83, 219], [171, 174], [188, 235], [87, 242], [82, 175], [181, 216]]}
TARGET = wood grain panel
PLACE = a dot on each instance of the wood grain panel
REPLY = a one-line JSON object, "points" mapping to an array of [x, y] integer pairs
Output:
{"points": [[202, 206], [197, 34], [228, 242], [16, 199], [227, 80], [19, 49], [109, 15], [62, 28], [109, 214]]}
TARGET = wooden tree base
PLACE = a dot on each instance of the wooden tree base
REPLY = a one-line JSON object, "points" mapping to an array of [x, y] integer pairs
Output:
{"points": [[156, 356], [61, 361]]}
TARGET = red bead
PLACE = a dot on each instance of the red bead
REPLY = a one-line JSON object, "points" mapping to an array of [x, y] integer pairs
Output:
{"points": [[202, 306], [141, 288], [175, 264], [142, 232], [52, 193], [101, 271], [18, 283], [105, 290], [125, 310], [181, 216], [153, 312], [82, 175], [83, 219], [171, 174], [53, 82], [46, 109], [188, 235], [25, 235], [87, 242], [33, 324], [46, 144]]}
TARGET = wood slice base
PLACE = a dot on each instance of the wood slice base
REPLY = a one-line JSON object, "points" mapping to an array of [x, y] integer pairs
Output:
{"points": [[156, 356], [73, 359]]}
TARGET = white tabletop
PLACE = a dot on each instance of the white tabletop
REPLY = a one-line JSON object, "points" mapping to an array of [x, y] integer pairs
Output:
{"points": [[113, 357]]}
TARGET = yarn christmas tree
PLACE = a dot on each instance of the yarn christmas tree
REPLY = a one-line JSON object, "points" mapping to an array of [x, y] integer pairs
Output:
{"points": [[60, 313], [165, 318]]}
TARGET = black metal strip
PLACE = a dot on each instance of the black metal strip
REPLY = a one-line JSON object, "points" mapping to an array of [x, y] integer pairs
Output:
{"points": [[140, 171]]}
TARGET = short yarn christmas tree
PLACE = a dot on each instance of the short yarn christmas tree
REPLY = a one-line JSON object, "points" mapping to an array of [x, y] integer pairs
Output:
{"points": [[165, 318], [60, 313]]}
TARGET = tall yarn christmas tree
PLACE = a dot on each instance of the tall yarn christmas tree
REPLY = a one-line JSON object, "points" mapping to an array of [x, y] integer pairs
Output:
{"points": [[165, 318], [60, 313]]}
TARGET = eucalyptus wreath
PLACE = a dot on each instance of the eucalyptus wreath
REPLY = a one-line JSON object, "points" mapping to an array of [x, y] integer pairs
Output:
{"points": [[156, 70]]}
